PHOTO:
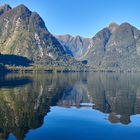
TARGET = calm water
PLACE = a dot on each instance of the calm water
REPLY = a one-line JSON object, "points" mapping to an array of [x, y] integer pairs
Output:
{"points": [[88, 106]]}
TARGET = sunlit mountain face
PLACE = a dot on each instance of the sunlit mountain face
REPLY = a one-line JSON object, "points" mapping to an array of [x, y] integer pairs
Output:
{"points": [[34, 104]]}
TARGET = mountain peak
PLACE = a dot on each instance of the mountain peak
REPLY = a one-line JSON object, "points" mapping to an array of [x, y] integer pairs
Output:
{"points": [[22, 8], [113, 26], [4, 8], [78, 36], [126, 24]]}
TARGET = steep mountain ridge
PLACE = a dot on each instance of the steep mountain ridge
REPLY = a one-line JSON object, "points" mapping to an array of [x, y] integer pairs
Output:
{"points": [[24, 33], [98, 47], [123, 49], [116, 47]]}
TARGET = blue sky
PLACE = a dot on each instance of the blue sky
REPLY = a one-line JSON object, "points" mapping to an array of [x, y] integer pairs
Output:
{"points": [[82, 17]]}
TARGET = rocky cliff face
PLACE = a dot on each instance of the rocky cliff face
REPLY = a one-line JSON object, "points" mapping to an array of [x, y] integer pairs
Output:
{"points": [[98, 47], [76, 46]]}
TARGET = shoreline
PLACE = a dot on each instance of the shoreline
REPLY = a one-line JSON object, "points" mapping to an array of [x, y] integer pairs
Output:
{"points": [[54, 69]]}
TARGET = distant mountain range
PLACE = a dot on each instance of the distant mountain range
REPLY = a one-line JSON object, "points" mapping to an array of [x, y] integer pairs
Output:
{"points": [[23, 33], [76, 46]]}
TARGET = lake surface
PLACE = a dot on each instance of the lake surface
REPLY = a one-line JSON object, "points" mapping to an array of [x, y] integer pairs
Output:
{"points": [[76, 106]]}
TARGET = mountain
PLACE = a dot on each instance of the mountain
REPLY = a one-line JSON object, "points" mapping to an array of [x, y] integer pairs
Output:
{"points": [[98, 45], [123, 49], [76, 46], [116, 47], [24, 33], [97, 49]]}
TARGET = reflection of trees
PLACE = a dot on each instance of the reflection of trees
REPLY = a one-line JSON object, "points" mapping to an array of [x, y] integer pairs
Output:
{"points": [[13, 82], [18, 113], [24, 107], [116, 94], [76, 95]]}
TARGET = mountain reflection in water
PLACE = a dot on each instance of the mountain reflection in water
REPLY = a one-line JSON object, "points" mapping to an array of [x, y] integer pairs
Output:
{"points": [[25, 99]]}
